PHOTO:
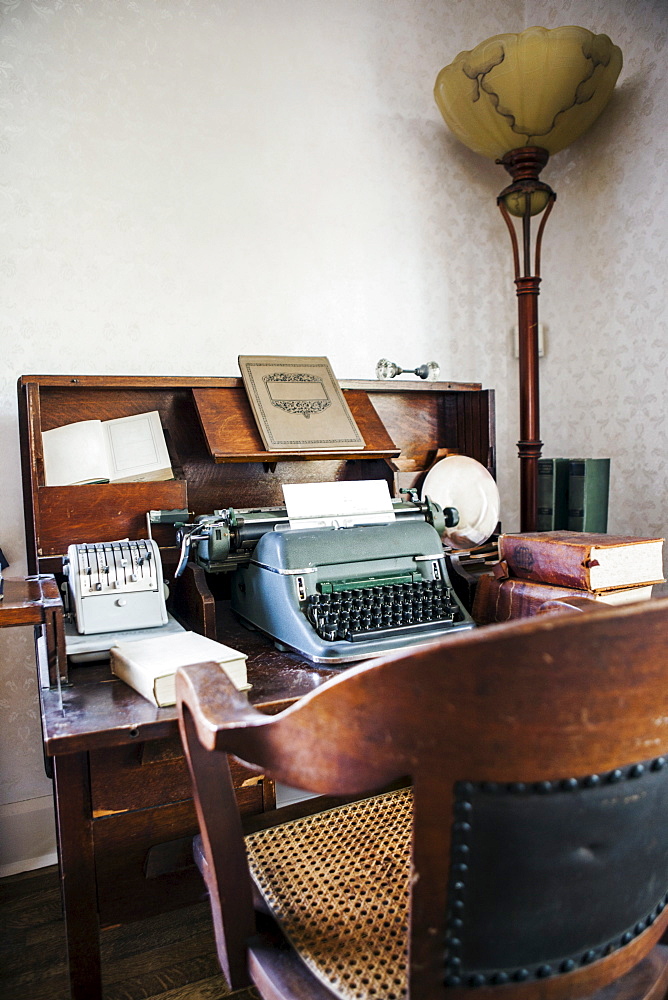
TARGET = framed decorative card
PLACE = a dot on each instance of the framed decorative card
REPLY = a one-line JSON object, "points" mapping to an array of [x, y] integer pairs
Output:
{"points": [[298, 404]]}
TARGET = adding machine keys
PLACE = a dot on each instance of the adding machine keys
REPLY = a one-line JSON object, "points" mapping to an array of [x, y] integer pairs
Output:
{"points": [[116, 585]]}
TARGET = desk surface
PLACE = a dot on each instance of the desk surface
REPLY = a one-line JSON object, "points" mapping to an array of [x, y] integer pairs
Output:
{"points": [[36, 601], [98, 710], [25, 600]]}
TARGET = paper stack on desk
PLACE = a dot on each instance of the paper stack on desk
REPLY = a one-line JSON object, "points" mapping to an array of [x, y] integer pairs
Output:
{"points": [[149, 665]]}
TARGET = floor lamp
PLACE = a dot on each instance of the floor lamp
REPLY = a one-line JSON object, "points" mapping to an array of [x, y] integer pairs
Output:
{"points": [[517, 98]]}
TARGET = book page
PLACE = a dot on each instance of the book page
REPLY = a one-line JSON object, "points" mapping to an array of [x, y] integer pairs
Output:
{"points": [[137, 449], [75, 453]]}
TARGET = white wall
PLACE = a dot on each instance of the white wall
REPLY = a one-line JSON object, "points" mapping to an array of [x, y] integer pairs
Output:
{"points": [[184, 181]]}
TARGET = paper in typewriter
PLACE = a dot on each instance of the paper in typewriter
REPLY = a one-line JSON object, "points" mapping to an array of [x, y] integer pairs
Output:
{"points": [[338, 505]]}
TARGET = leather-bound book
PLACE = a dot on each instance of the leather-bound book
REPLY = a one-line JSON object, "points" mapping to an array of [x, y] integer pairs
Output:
{"points": [[502, 600], [585, 560]]}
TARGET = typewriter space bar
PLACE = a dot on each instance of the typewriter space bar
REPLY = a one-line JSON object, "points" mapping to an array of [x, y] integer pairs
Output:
{"points": [[392, 630]]}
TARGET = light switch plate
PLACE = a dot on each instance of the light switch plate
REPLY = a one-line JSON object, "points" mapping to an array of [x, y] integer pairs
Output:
{"points": [[541, 341]]}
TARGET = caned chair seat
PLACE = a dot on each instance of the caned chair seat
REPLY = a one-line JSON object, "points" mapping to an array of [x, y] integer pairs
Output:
{"points": [[337, 883]]}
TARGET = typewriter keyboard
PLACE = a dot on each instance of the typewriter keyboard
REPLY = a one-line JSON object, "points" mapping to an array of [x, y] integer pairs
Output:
{"points": [[374, 612]]}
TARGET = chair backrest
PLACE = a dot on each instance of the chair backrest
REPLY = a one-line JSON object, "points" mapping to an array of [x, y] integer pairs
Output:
{"points": [[537, 755]]}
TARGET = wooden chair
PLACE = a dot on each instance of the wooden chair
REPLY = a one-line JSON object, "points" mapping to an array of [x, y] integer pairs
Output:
{"points": [[536, 864]]}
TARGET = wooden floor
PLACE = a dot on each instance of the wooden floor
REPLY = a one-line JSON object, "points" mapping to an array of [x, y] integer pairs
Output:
{"points": [[171, 956]]}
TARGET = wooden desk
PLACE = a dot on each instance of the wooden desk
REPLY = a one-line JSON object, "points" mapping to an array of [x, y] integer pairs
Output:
{"points": [[124, 811]]}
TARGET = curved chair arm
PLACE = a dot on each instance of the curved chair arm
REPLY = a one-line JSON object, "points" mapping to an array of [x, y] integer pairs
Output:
{"points": [[215, 703]]}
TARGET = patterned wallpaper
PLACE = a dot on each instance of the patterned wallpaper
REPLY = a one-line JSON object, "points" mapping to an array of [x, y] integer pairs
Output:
{"points": [[605, 290], [186, 181]]}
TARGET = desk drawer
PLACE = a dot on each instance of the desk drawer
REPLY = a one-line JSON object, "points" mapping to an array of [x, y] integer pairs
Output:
{"points": [[143, 858], [155, 773]]}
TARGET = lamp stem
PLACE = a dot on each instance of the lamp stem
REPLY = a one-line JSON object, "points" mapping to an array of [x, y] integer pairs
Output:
{"points": [[524, 165], [529, 446], [526, 236]]}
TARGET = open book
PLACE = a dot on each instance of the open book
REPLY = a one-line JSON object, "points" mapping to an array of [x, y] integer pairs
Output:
{"points": [[124, 450]]}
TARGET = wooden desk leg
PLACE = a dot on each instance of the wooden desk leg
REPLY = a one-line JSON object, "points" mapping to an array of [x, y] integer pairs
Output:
{"points": [[77, 874]]}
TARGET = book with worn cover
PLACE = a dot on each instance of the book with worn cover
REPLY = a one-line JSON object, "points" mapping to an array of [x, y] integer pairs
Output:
{"points": [[588, 490], [502, 600], [298, 404], [149, 665], [585, 560], [122, 450], [552, 487]]}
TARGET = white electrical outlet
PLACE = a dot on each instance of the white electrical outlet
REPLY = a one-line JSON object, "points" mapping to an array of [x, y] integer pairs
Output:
{"points": [[541, 341]]}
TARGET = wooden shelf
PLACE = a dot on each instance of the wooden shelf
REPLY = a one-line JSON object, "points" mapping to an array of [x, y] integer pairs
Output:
{"points": [[231, 432], [102, 512]]}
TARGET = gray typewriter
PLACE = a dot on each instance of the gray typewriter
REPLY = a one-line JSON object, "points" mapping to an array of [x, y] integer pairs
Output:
{"points": [[333, 594]]}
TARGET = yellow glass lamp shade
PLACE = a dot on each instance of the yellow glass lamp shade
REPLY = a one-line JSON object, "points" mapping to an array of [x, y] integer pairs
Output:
{"points": [[543, 87]]}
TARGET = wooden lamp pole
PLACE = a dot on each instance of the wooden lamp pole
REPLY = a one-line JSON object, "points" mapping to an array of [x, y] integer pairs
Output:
{"points": [[527, 196]]}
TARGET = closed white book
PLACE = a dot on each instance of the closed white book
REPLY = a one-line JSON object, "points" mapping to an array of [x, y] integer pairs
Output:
{"points": [[149, 665]]}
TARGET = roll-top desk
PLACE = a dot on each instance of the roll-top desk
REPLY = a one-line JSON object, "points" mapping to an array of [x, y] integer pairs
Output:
{"points": [[123, 804]]}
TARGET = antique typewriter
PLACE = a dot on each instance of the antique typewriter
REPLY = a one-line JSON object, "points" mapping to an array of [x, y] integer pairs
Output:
{"points": [[333, 594]]}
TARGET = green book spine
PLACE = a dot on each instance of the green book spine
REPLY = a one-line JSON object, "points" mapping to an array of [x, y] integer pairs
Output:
{"points": [[588, 492], [552, 507]]}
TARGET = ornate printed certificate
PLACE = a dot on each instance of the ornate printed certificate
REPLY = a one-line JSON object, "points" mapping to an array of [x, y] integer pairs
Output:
{"points": [[298, 404]]}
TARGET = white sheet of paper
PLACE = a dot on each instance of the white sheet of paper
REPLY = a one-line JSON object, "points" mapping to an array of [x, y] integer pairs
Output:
{"points": [[338, 505]]}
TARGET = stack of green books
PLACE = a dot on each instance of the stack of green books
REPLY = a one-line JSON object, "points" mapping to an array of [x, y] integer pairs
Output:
{"points": [[573, 494]]}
